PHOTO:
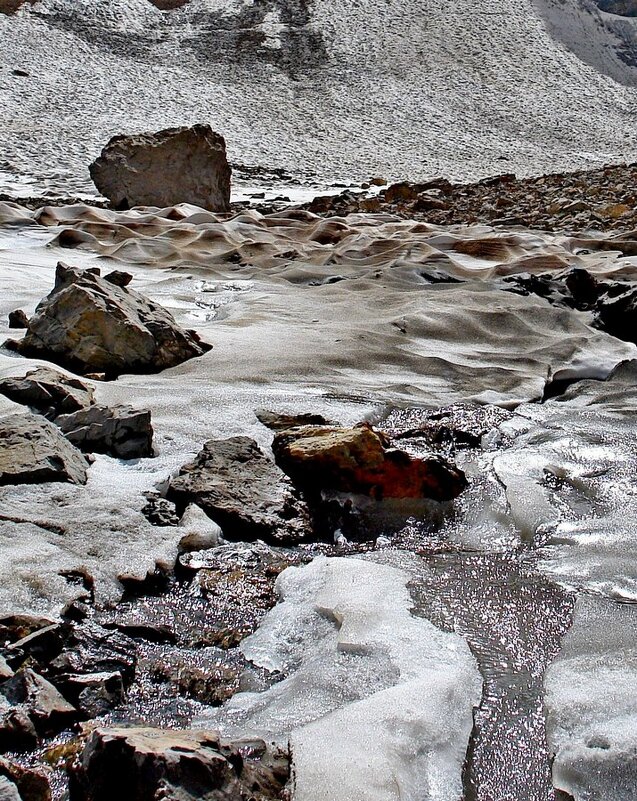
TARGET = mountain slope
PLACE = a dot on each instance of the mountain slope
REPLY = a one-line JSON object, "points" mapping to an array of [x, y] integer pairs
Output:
{"points": [[340, 88]]}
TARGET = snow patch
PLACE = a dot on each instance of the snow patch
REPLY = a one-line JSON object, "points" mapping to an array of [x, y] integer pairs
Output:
{"points": [[377, 704]]}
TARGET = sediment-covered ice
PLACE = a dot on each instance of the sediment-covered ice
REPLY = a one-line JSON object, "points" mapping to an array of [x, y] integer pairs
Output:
{"points": [[376, 704], [592, 704], [287, 335]]}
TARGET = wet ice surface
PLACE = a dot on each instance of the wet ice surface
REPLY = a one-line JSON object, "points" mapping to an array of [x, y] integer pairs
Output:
{"points": [[513, 619], [592, 704], [556, 479]]}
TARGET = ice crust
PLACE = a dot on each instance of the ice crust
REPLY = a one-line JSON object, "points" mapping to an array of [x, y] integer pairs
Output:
{"points": [[592, 704], [282, 340], [381, 697]]}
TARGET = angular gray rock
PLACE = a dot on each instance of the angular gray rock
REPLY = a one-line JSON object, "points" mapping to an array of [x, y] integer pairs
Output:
{"points": [[95, 693], [91, 649], [48, 391], [33, 451], [48, 710], [92, 325], [175, 165], [243, 492], [120, 431], [144, 764]]}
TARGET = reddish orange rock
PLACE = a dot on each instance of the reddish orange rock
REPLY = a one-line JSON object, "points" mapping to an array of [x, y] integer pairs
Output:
{"points": [[362, 461]]}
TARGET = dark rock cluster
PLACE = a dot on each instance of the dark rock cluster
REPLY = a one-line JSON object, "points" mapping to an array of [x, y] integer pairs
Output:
{"points": [[599, 199]]}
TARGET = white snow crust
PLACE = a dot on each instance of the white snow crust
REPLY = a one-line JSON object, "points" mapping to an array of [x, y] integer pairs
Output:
{"points": [[377, 704], [592, 704]]}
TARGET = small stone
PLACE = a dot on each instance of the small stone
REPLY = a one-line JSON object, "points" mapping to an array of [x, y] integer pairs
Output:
{"points": [[18, 319], [48, 391], [33, 451], [118, 278], [32, 783], [280, 421], [17, 732], [119, 431], [94, 694]]}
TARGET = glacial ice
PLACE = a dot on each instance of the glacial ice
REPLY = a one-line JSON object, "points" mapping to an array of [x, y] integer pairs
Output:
{"points": [[376, 704]]}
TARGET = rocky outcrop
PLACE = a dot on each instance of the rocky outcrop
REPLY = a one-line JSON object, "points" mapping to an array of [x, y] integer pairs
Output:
{"points": [[176, 165], [120, 431], [360, 460], [613, 304], [33, 451], [578, 201], [48, 391], [144, 764], [243, 491], [92, 325]]}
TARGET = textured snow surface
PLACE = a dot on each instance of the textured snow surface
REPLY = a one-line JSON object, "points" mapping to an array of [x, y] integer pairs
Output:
{"points": [[283, 339], [385, 699], [331, 89]]}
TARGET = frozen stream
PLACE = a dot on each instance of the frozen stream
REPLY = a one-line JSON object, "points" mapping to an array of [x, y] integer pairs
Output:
{"points": [[487, 686]]}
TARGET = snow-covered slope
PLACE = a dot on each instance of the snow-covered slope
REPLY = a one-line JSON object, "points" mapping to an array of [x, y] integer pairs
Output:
{"points": [[339, 88]]}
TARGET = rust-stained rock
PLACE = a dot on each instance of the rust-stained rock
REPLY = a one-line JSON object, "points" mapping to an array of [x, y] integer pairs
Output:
{"points": [[361, 460]]}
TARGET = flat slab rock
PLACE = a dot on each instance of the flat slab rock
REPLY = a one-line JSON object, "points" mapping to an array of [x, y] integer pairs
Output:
{"points": [[361, 460], [175, 165], [120, 431], [90, 324], [34, 451], [144, 764], [48, 391], [243, 491]]}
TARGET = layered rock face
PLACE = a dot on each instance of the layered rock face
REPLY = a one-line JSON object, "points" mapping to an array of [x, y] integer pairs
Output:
{"points": [[176, 165], [92, 325]]}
